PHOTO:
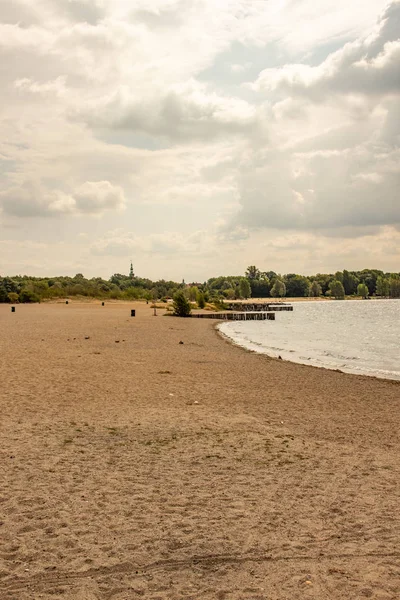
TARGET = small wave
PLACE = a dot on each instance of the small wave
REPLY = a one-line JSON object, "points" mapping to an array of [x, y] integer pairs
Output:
{"points": [[320, 342], [339, 356]]}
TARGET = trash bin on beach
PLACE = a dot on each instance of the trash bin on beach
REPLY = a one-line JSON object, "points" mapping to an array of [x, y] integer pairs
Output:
{"points": [[133, 312], [102, 303], [13, 309], [66, 302]]}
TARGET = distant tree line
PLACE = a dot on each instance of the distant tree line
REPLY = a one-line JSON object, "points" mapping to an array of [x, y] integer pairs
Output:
{"points": [[254, 283], [260, 284]]}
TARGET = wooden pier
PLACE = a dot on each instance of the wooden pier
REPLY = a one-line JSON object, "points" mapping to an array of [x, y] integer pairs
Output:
{"points": [[236, 316], [259, 306]]}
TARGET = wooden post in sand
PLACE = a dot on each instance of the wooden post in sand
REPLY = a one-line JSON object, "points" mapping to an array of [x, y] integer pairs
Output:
{"points": [[155, 312]]}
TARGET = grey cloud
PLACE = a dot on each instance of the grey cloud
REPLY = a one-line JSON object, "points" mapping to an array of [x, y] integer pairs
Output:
{"points": [[389, 29], [176, 115], [81, 10], [33, 200], [336, 190], [14, 11], [25, 201], [94, 197]]}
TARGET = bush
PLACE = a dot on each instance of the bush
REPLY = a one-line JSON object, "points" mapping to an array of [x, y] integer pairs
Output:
{"points": [[181, 305], [201, 300], [26, 296], [13, 297], [220, 304]]}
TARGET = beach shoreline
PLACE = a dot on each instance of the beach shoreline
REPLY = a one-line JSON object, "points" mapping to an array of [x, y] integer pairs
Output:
{"points": [[250, 347], [135, 465]]}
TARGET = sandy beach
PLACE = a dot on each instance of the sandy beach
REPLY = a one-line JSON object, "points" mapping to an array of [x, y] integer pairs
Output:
{"points": [[136, 466]]}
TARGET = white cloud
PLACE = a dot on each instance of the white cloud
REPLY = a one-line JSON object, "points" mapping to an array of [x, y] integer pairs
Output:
{"points": [[369, 66], [337, 133]]}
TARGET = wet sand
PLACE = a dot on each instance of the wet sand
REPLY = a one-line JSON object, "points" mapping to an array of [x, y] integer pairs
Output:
{"points": [[133, 466]]}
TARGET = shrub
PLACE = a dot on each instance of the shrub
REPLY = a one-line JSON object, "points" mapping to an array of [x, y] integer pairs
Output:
{"points": [[13, 297], [181, 305], [28, 296], [201, 300], [220, 304]]}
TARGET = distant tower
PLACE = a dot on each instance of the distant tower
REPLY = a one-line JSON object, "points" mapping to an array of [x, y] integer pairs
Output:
{"points": [[131, 273]]}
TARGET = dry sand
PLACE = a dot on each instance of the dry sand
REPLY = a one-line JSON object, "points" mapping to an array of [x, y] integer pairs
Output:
{"points": [[153, 469]]}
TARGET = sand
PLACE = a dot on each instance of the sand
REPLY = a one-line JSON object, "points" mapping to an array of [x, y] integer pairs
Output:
{"points": [[134, 466]]}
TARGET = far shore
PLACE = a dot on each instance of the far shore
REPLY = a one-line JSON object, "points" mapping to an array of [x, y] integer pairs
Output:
{"points": [[88, 300]]}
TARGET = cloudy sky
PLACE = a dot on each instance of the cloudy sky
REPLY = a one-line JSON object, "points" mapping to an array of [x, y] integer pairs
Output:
{"points": [[199, 136]]}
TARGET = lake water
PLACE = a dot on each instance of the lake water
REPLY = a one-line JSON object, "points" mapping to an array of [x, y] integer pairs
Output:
{"points": [[354, 336]]}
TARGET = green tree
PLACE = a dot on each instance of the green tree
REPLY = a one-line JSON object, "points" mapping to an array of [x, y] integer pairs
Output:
{"points": [[339, 276], [297, 286], [362, 290], [245, 289], [337, 290], [324, 280], [252, 272], [315, 289], [193, 293], [3, 292], [13, 297], [229, 294], [382, 287], [260, 288], [181, 305], [278, 289], [10, 285], [394, 287], [369, 277], [350, 282]]}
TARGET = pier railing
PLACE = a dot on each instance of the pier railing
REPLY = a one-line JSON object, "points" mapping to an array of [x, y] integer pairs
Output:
{"points": [[259, 306], [236, 316]]}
